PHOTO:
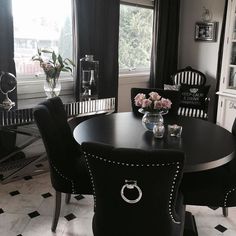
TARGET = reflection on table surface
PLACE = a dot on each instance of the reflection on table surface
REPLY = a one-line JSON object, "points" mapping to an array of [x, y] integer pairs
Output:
{"points": [[200, 140]]}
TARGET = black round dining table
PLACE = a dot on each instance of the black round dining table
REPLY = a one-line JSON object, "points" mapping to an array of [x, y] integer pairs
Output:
{"points": [[205, 144]]}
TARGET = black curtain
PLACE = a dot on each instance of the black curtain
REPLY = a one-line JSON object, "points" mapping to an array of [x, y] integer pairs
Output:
{"points": [[220, 56], [6, 37], [7, 139], [164, 56], [7, 63], [97, 26]]}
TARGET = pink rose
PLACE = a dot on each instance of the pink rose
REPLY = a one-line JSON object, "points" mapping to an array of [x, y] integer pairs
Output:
{"points": [[157, 104], [166, 103], [146, 103], [154, 102], [138, 100], [154, 96]]}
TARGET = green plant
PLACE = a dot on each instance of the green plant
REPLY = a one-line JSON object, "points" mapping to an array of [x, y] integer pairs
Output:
{"points": [[52, 63]]}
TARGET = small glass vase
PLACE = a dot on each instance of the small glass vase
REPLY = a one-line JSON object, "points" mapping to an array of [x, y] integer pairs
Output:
{"points": [[52, 87], [159, 130], [150, 119]]}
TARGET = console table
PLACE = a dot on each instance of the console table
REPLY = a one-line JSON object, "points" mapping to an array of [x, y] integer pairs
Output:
{"points": [[22, 153]]}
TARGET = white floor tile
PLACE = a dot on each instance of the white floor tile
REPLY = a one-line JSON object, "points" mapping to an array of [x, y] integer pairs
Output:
{"points": [[15, 220]]}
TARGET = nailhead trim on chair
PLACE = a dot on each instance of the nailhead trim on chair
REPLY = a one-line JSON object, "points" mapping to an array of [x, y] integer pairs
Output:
{"points": [[226, 196], [138, 165], [64, 177], [91, 177]]}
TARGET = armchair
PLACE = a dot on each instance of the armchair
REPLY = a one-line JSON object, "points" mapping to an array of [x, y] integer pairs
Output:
{"points": [[194, 101]]}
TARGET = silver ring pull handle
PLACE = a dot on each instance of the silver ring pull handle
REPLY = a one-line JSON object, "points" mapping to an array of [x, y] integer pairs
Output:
{"points": [[130, 185]]}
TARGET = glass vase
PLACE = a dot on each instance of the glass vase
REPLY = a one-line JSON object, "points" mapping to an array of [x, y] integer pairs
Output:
{"points": [[159, 130], [52, 87], [150, 119], [89, 70]]}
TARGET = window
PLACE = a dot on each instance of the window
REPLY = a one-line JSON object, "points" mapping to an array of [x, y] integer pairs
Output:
{"points": [[40, 24], [135, 38]]}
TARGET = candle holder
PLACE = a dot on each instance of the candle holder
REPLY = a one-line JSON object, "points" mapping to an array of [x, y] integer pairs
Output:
{"points": [[175, 130]]}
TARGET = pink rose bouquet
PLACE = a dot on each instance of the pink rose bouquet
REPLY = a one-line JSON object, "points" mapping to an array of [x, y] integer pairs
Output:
{"points": [[154, 103]]}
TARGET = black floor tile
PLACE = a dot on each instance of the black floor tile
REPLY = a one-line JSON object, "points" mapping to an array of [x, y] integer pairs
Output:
{"points": [[39, 165], [28, 177], [213, 208], [221, 228], [33, 214], [79, 197], [14, 193], [46, 195], [70, 217]]}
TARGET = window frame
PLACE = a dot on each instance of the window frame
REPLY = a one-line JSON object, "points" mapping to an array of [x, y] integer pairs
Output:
{"points": [[140, 3], [129, 73], [25, 83], [30, 86]]}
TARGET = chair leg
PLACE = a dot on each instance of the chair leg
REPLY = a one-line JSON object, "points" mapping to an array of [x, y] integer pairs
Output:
{"points": [[68, 197], [225, 211], [56, 211]]}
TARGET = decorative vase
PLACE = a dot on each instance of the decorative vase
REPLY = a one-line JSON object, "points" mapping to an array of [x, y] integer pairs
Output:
{"points": [[52, 87], [150, 119]]}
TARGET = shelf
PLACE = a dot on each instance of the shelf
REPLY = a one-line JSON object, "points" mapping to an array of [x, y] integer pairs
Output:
{"points": [[232, 65]]}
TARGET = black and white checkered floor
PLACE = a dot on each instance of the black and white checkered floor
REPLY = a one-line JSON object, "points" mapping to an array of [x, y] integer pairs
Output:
{"points": [[26, 208]]}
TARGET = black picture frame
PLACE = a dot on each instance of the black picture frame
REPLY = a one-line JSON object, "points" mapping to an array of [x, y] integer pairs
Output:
{"points": [[206, 31]]}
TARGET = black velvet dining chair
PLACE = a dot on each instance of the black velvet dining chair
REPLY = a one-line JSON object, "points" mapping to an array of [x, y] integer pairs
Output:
{"points": [[216, 187], [68, 171], [136, 192], [194, 99], [173, 95]]}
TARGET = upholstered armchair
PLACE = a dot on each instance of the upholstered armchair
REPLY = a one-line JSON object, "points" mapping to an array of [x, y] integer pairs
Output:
{"points": [[193, 92]]}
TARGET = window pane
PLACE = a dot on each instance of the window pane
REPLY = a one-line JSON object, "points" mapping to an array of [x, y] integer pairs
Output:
{"points": [[135, 37], [40, 24]]}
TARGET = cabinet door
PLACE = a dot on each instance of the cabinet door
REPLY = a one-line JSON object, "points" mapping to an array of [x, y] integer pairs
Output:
{"points": [[228, 80], [226, 112]]}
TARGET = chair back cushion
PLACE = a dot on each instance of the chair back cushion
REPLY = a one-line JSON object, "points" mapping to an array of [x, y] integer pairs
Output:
{"points": [[173, 95], [193, 96], [193, 100], [189, 76], [135, 190]]}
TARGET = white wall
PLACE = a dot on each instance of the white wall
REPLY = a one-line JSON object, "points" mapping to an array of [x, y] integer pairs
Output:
{"points": [[125, 85], [201, 55]]}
